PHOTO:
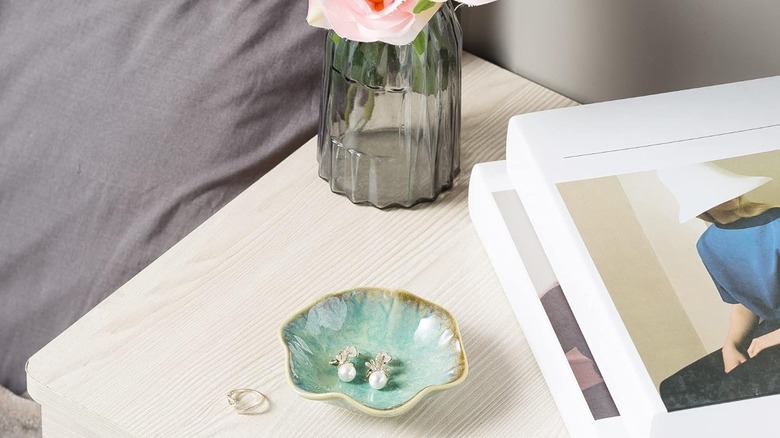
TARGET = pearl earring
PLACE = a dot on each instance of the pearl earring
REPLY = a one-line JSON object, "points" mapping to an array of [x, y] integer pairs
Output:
{"points": [[346, 369], [377, 372]]}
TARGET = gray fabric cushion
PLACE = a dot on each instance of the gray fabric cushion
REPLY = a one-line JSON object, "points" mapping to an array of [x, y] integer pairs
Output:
{"points": [[124, 125], [20, 417]]}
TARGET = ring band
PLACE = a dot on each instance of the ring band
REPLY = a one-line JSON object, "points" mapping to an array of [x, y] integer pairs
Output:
{"points": [[245, 400]]}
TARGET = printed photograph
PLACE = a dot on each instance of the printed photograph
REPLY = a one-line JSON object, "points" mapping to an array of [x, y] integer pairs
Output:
{"points": [[572, 341], [690, 256]]}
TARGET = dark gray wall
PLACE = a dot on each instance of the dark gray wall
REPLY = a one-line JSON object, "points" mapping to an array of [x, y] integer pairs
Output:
{"points": [[608, 49]]}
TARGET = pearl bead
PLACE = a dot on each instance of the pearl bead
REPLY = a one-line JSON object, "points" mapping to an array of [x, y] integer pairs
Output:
{"points": [[377, 380], [347, 372]]}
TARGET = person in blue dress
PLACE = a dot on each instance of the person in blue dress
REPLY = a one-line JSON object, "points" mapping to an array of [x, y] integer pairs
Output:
{"points": [[741, 251]]}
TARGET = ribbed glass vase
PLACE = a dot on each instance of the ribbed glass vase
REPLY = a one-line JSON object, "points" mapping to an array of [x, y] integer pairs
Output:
{"points": [[390, 116]]}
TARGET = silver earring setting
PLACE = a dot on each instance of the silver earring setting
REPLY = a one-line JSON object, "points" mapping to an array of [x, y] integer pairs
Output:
{"points": [[377, 372], [346, 369]]}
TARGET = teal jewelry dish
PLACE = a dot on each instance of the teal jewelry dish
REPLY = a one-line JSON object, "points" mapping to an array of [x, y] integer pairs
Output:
{"points": [[419, 340]]}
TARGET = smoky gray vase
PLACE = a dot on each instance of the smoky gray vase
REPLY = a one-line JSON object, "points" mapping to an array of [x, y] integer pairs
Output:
{"points": [[389, 132]]}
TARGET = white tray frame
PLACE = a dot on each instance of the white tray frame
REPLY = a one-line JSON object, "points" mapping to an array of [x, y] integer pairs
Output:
{"points": [[487, 179]]}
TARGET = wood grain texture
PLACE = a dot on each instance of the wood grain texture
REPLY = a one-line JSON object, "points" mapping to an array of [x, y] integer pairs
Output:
{"points": [[158, 357]]}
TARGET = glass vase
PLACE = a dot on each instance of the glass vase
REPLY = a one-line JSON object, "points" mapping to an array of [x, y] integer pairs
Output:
{"points": [[389, 130]]}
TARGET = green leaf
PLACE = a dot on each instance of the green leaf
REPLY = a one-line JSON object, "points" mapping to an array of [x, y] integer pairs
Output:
{"points": [[420, 42], [423, 5]]}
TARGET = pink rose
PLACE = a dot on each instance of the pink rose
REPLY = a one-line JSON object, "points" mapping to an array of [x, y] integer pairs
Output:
{"points": [[390, 21]]}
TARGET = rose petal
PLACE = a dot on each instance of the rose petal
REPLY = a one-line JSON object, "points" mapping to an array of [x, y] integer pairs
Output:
{"points": [[316, 17], [420, 20], [350, 30], [355, 20]]}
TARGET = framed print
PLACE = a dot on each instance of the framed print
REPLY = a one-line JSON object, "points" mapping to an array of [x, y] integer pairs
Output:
{"points": [[637, 205]]}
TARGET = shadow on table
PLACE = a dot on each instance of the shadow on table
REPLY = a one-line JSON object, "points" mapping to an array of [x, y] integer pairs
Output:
{"points": [[495, 387]]}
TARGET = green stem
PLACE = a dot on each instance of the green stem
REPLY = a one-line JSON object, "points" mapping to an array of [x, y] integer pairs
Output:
{"points": [[368, 108], [351, 93], [368, 111]]}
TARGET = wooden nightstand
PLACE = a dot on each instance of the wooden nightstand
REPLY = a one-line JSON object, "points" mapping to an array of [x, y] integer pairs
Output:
{"points": [[158, 357]]}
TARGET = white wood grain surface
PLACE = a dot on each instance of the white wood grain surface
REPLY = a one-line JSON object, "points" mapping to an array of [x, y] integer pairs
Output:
{"points": [[158, 357]]}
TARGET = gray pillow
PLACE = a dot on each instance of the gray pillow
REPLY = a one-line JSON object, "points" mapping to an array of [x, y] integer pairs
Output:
{"points": [[124, 125]]}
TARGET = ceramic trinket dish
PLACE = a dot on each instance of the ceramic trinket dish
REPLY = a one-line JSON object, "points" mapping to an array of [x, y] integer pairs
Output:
{"points": [[421, 337]]}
